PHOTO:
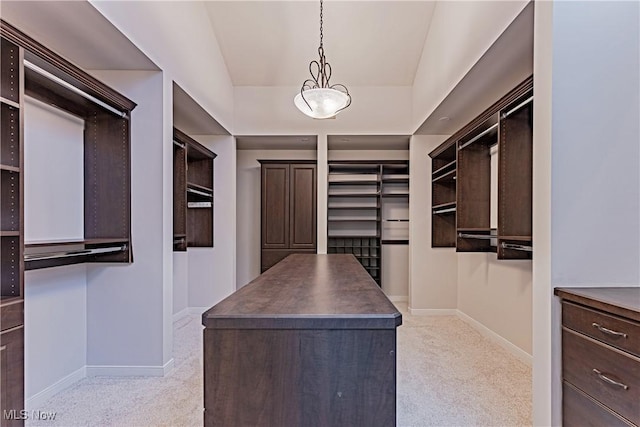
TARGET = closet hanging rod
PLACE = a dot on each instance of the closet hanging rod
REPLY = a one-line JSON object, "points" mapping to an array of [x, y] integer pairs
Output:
{"points": [[398, 220], [475, 236], [517, 107], [198, 192], [74, 89], [81, 252], [444, 210], [517, 247], [179, 144], [477, 137]]}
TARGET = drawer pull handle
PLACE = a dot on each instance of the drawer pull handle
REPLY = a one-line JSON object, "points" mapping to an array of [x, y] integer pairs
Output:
{"points": [[608, 331], [606, 379]]}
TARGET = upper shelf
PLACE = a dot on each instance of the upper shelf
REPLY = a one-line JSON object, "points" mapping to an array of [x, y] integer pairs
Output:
{"points": [[53, 253]]}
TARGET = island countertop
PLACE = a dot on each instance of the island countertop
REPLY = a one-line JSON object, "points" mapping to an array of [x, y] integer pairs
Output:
{"points": [[307, 291]]}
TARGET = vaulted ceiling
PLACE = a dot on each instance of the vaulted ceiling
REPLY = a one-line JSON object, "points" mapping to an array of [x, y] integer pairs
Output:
{"points": [[367, 43]]}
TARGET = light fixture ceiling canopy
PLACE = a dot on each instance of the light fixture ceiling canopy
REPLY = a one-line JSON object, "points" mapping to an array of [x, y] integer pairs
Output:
{"points": [[318, 98]]}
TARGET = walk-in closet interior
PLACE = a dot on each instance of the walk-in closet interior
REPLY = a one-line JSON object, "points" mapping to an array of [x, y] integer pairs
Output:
{"points": [[165, 162]]}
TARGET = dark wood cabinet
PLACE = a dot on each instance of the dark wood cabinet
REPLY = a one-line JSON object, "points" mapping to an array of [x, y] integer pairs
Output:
{"points": [[12, 376], [192, 193], [600, 356], [462, 186], [311, 342], [288, 213]]}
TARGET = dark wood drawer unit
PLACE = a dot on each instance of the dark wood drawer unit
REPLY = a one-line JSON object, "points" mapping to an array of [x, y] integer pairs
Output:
{"points": [[600, 363], [11, 376], [312, 341], [582, 410]]}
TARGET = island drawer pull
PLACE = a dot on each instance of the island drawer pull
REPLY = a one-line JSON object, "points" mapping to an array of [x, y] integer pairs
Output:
{"points": [[608, 331], [605, 378]]}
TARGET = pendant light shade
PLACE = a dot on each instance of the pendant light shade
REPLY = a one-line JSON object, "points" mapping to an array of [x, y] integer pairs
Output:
{"points": [[318, 98], [321, 103]]}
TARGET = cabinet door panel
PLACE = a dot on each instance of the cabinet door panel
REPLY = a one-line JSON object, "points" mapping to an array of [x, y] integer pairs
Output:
{"points": [[275, 206], [12, 376], [303, 207]]}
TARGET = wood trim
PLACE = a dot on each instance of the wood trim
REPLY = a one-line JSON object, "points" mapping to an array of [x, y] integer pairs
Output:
{"points": [[183, 138], [277, 162], [70, 72], [513, 95]]}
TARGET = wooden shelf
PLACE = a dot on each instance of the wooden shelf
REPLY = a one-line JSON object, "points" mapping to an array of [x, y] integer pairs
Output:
{"points": [[357, 195], [357, 182], [516, 238], [9, 168], [353, 219], [444, 205], [354, 207], [9, 102], [354, 236], [443, 168], [449, 177], [54, 253], [199, 187], [9, 233]]}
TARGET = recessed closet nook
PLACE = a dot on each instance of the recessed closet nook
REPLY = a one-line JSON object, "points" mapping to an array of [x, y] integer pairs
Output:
{"points": [[153, 163]]}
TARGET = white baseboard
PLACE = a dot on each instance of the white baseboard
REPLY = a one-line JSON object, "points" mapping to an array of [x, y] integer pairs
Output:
{"points": [[433, 311], [36, 401], [129, 371], [398, 298], [501, 341], [179, 315]]}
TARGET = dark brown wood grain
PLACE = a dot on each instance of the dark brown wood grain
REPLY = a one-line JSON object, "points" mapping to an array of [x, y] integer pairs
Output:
{"points": [[275, 206], [10, 64], [582, 319], [179, 198], [620, 301], [310, 342], [314, 289], [11, 375], [11, 314], [302, 217], [11, 273], [271, 257], [580, 410], [581, 355]]}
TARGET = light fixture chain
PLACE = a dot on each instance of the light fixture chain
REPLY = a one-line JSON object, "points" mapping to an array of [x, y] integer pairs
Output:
{"points": [[321, 34]]}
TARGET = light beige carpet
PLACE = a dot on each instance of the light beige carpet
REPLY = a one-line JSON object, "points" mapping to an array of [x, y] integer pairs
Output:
{"points": [[448, 375]]}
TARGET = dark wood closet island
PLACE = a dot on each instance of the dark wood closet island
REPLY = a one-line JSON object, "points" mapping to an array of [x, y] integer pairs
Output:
{"points": [[312, 341]]}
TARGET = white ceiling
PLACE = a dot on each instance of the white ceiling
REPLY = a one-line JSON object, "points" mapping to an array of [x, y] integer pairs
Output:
{"points": [[277, 142], [368, 142], [367, 43]]}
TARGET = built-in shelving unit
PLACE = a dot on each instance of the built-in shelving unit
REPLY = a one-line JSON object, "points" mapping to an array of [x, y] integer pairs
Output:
{"points": [[192, 193], [461, 181], [29, 69], [364, 198]]}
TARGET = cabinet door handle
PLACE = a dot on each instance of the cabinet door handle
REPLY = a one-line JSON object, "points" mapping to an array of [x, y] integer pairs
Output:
{"points": [[606, 379], [608, 331]]}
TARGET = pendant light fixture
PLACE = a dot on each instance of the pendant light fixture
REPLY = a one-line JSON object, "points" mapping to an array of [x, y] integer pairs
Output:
{"points": [[318, 98]]}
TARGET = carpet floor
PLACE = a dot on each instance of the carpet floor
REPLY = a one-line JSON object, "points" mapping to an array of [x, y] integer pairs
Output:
{"points": [[448, 375]]}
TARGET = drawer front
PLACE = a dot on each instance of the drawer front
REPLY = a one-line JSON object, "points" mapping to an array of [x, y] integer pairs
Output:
{"points": [[613, 330], [592, 367], [12, 315], [580, 410]]}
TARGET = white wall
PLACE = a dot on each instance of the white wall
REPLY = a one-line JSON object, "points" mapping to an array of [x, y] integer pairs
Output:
{"points": [[248, 207], [591, 121], [180, 281], [129, 306], [54, 173], [55, 326], [270, 110], [55, 313], [181, 41], [432, 271], [459, 34], [212, 271]]}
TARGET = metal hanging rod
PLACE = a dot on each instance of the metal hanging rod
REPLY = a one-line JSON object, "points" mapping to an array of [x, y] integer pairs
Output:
{"points": [[396, 220], [517, 247], [179, 144], [517, 107], [444, 210], [198, 192], [178, 240], [477, 137], [74, 89], [475, 236], [66, 254]]}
